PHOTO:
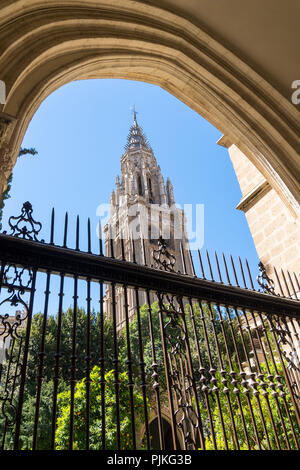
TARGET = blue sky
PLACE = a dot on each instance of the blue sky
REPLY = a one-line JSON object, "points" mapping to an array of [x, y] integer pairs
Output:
{"points": [[80, 131]]}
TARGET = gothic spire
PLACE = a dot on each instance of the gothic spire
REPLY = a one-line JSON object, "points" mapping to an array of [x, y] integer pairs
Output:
{"points": [[136, 138]]}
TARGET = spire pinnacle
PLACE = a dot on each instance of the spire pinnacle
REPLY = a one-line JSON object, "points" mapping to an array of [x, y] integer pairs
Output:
{"points": [[136, 138], [134, 112]]}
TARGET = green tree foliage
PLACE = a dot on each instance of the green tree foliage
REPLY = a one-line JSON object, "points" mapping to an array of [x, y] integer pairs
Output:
{"points": [[45, 410], [146, 343], [216, 343], [221, 348], [45, 417], [213, 330], [262, 408], [67, 319], [63, 422]]}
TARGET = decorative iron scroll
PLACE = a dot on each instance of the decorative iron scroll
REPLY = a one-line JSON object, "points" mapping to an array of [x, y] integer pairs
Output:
{"points": [[163, 259], [289, 344], [180, 373], [265, 282], [16, 282], [10, 372], [24, 226]]}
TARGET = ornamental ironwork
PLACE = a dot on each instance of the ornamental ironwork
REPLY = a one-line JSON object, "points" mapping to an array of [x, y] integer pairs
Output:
{"points": [[196, 364], [265, 282], [163, 258], [24, 226]]}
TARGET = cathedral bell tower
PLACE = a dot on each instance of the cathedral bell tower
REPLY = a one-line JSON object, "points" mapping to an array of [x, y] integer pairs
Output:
{"points": [[142, 209]]}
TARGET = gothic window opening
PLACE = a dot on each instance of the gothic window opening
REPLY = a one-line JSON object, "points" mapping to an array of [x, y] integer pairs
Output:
{"points": [[139, 185], [150, 191]]}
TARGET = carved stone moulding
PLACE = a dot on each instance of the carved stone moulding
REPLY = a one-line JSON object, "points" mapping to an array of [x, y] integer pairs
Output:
{"points": [[6, 126], [6, 152]]}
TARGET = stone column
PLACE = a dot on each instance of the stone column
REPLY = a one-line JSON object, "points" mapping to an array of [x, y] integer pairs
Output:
{"points": [[6, 155]]}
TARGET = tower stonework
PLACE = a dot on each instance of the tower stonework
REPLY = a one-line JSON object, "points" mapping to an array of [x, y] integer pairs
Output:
{"points": [[275, 229], [142, 209]]}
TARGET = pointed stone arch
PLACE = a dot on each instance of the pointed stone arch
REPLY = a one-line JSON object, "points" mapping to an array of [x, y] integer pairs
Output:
{"points": [[49, 46]]}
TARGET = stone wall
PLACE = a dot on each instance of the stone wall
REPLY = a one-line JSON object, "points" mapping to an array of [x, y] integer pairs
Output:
{"points": [[274, 227]]}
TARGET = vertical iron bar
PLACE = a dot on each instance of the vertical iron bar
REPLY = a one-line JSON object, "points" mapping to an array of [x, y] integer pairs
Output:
{"points": [[52, 228], [100, 240], [280, 354], [234, 271], [73, 360], [142, 366], [3, 264], [102, 365], [287, 322], [232, 373], [129, 366], [1, 280], [88, 364], [280, 386], [271, 385], [242, 272], [286, 284], [89, 235], [182, 259], [167, 371], [57, 357], [24, 365], [18, 365], [297, 282], [65, 231], [223, 371], [292, 284], [116, 365], [254, 383], [202, 380], [155, 374], [192, 375], [209, 265], [279, 283], [212, 372], [201, 265], [187, 427], [111, 244], [226, 270], [133, 250], [286, 374], [244, 381], [249, 274], [142, 243], [218, 268], [42, 355], [172, 377], [9, 366], [77, 233], [192, 263], [143, 252], [122, 246]]}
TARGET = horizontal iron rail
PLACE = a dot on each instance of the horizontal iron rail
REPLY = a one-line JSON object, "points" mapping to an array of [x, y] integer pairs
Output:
{"points": [[44, 257]]}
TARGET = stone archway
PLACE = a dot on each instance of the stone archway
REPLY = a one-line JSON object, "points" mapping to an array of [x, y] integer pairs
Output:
{"points": [[167, 435], [48, 45]]}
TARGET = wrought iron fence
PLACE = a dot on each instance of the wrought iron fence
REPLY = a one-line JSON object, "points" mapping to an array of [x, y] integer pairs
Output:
{"points": [[104, 353]]}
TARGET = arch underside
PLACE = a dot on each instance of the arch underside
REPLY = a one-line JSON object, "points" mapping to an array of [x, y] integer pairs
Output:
{"points": [[48, 45]]}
